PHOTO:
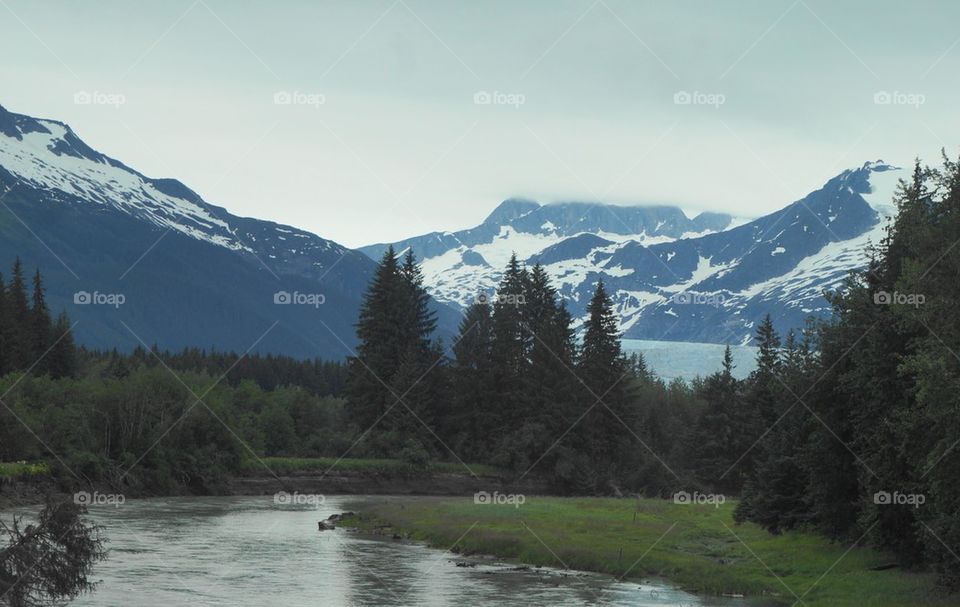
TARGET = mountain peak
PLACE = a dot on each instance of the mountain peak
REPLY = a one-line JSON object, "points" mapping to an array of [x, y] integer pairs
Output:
{"points": [[511, 209], [878, 165]]}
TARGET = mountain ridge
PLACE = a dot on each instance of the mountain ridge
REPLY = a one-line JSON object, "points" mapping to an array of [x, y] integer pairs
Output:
{"points": [[649, 255], [193, 274]]}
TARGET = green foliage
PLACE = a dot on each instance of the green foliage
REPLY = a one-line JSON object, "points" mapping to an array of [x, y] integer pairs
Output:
{"points": [[22, 468], [148, 433], [372, 467], [49, 561]]}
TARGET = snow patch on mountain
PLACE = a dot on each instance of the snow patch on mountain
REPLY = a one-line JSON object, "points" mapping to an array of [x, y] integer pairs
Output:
{"points": [[47, 160], [884, 183]]}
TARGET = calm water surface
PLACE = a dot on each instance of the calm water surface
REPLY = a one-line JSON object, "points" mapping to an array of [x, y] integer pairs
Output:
{"points": [[250, 551]]}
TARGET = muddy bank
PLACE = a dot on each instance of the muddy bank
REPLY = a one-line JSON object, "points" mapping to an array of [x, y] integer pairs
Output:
{"points": [[18, 492]]}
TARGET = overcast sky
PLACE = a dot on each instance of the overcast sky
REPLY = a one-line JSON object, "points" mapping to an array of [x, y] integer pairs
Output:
{"points": [[408, 116]]}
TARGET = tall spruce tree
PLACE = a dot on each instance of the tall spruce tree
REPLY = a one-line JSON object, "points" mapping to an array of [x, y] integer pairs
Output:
{"points": [[380, 330], [421, 376], [510, 351], [603, 369], [777, 495], [393, 385], [62, 359], [721, 443], [19, 310], [548, 380], [472, 423], [764, 388], [422, 320], [41, 325], [6, 327]]}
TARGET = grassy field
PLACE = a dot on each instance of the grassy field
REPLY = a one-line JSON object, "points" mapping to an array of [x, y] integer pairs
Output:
{"points": [[697, 547], [385, 467], [12, 469]]}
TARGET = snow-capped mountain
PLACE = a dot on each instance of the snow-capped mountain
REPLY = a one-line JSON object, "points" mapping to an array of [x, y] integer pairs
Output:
{"points": [[459, 265], [190, 273], [706, 279]]}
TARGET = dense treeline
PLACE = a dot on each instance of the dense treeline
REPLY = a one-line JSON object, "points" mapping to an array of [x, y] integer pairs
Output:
{"points": [[153, 432], [516, 389], [153, 421], [270, 371], [30, 339], [866, 443]]}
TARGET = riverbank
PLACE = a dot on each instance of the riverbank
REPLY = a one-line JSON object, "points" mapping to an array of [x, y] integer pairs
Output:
{"points": [[313, 476], [697, 547], [329, 476]]}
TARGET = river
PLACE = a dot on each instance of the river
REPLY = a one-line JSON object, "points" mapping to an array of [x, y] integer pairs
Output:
{"points": [[240, 551]]}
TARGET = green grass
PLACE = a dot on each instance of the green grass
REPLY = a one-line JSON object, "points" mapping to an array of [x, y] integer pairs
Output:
{"points": [[380, 467], [696, 547], [12, 469]]}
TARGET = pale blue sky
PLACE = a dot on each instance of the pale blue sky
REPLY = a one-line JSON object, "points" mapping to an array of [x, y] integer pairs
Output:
{"points": [[399, 147]]}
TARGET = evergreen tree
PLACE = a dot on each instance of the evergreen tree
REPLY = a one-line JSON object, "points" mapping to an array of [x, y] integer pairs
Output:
{"points": [[40, 325], [422, 320], [380, 330], [542, 411], [19, 311], [510, 350], [764, 388], [721, 443], [472, 423], [62, 358], [777, 496], [603, 369], [393, 387], [5, 330], [935, 429]]}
